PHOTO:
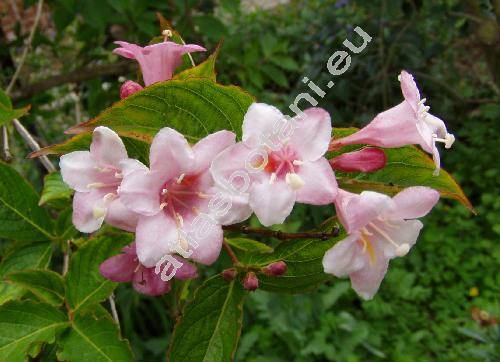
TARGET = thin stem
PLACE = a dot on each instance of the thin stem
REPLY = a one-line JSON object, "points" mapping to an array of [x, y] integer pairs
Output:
{"points": [[231, 253], [7, 156], [282, 235], [113, 309], [66, 258]]}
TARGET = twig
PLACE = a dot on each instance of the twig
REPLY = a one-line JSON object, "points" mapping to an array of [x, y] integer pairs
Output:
{"points": [[231, 253], [113, 309], [282, 235], [66, 258], [7, 156]]}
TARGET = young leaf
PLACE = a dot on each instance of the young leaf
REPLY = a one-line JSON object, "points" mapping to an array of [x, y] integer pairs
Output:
{"points": [[211, 324], [54, 189], [202, 70], [84, 284], [47, 285], [20, 216], [93, 338], [7, 113], [249, 245], [406, 166], [24, 323]]}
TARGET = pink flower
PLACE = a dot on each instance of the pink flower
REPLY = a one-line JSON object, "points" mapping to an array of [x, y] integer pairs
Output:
{"points": [[172, 198], [368, 159], [128, 88], [95, 176], [157, 61], [380, 228], [279, 162], [127, 268], [407, 123]]}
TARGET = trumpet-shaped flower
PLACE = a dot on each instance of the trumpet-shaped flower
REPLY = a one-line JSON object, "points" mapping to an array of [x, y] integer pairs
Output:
{"points": [[95, 176], [368, 159], [279, 162], [172, 198], [127, 268], [407, 123], [379, 228], [157, 61]]}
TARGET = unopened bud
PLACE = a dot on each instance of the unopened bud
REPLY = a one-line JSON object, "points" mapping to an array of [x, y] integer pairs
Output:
{"points": [[275, 269], [368, 159], [251, 282], [229, 274], [128, 88]]}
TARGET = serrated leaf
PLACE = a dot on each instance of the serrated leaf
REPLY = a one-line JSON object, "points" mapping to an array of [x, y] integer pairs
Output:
{"points": [[249, 245], [93, 338], [24, 323], [20, 216], [47, 285], [303, 258], [84, 284], [211, 324], [7, 112], [406, 166], [54, 189], [205, 69]]}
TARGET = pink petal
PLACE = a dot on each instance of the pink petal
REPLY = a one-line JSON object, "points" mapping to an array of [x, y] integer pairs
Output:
{"points": [[207, 148], [410, 89], [124, 53], [320, 186], [207, 233], [228, 168], [344, 258], [155, 237], [127, 50], [311, 134], [140, 191], [414, 202], [83, 210], [190, 48], [239, 209], [356, 211], [130, 165], [170, 153], [186, 271], [107, 147], [272, 203], [400, 232], [366, 281], [261, 126], [146, 281], [368, 159], [78, 170], [121, 217], [128, 88], [119, 268]]}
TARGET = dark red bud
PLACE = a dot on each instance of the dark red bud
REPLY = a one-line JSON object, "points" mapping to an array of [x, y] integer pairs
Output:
{"points": [[275, 269], [229, 274], [251, 282], [368, 159], [128, 88]]}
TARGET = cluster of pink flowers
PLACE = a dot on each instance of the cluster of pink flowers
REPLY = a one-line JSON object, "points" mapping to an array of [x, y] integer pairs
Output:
{"points": [[178, 205]]}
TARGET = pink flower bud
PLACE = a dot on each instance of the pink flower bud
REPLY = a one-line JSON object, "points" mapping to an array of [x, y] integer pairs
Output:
{"points": [[128, 88], [275, 269], [368, 159], [229, 274], [251, 282]]}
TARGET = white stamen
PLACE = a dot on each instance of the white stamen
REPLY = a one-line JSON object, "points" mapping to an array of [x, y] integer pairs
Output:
{"points": [[163, 205], [201, 195], [181, 177], [109, 197], [447, 140], [118, 175], [183, 243], [295, 181], [195, 210], [365, 231], [298, 162], [96, 185], [164, 191], [167, 33], [399, 77], [180, 219], [272, 178], [402, 249], [98, 212]]}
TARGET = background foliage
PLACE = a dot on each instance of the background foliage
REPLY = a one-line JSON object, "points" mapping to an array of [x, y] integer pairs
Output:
{"points": [[436, 304]]}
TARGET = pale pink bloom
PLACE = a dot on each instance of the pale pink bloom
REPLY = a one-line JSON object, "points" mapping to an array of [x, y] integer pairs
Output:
{"points": [[95, 176], [379, 229], [172, 197], [157, 61], [407, 123], [368, 159], [128, 88], [127, 268], [284, 163]]}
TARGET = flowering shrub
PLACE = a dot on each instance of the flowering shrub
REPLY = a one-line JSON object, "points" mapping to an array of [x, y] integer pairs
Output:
{"points": [[166, 178]]}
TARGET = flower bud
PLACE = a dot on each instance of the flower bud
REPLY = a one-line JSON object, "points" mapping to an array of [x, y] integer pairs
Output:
{"points": [[275, 269], [128, 88], [251, 282], [368, 159], [229, 274]]}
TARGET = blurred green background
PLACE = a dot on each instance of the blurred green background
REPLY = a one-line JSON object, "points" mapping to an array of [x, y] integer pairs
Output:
{"points": [[441, 301]]}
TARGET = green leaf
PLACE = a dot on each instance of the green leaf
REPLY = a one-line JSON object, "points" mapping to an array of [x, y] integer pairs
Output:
{"points": [[249, 245], [211, 324], [202, 70], [47, 285], [24, 323], [20, 216], [276, 75], [54, 189], [7, 113], [406, 166], [93, 338], [84, 284], [303, 258], [196, 107], [32, 256]]}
